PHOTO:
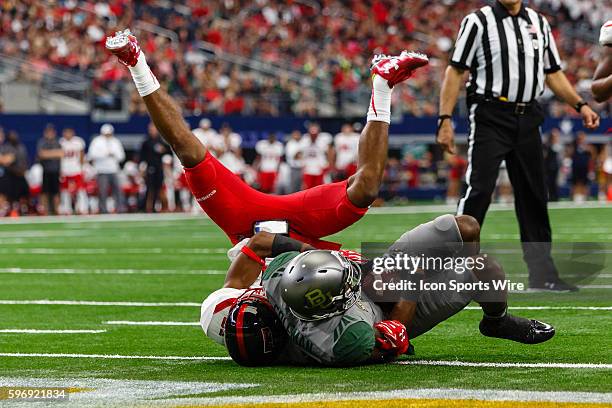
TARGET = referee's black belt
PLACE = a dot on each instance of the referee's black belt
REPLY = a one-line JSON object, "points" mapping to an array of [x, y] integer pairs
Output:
{"points": [[517, 108]]}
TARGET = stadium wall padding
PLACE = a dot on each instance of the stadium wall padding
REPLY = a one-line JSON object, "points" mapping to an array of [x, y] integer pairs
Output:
{"points": [[30, 127]]}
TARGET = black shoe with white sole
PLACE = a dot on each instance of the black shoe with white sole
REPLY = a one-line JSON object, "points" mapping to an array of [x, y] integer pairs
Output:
{"points": [[518, 329]]}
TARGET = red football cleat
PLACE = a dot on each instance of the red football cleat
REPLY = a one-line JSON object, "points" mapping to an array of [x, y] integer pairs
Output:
{"points": [[396, 69], [125, 46]]}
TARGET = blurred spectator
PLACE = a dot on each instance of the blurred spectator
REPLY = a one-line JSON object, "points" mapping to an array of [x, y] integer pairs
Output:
{"points": [[131, 182], [72, 185], [106, 154], [209, 137], [269, 154], [392, 179], [151, 152], [346, 145], [7, 157], [294, 158], [318, 51], [552, 163], [605, 177], [49, 155], [231, 155], [20, 191], [456, 170], [315, 152], [581, 161]]}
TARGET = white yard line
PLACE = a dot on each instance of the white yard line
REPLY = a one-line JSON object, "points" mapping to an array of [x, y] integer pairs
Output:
{"points": [[549, 308], [45, 331], [505, 365], [407, 394], [194, 304], [416, 209], [579, 366], [113, 356], [71, 271], [98, 303], [217, 252], [149, 323]]}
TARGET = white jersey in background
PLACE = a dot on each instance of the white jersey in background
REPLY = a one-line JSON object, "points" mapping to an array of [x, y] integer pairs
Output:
{"points": [[314, 155], [270, 155], [346, 146], [73, 149], [292, 148], [209, 138], [105, 154]]}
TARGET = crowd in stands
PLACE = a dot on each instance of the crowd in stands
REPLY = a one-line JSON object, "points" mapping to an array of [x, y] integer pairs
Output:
{"points": [[319, 51], [67, 177]]}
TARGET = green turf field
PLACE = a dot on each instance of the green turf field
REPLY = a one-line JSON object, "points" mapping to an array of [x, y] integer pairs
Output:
{"points": [[180, 261]]}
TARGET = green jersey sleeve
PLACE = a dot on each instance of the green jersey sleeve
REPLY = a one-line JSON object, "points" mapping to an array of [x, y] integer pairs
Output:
{"points": [[355, 345]]}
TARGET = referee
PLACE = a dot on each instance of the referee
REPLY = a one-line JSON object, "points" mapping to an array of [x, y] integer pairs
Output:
{"points": [[510, 54]]}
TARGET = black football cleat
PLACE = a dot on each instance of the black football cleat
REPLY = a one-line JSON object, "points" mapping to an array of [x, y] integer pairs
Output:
{"points": [[556, 285], [517, 329]]}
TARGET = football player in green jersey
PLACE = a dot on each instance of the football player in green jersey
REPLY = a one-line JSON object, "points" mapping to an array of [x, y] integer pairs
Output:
{"points": [[329, 320]]}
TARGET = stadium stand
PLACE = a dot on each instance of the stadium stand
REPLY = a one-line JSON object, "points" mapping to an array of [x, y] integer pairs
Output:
{"points": [[237, 61]]}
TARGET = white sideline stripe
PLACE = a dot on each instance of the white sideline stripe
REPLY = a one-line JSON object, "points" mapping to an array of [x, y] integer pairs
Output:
{"points": [[98, 251], [37, 331], [549, 308], [506, 365], [70, 271], [443, 208], [194, 304], [149, 323], [417, 209], [407, 394], [98, 303], [407, 362], [114, 356]]}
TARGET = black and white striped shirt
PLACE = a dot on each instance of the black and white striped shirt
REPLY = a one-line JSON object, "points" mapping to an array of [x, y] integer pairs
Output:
{"points": [[507, 56]]}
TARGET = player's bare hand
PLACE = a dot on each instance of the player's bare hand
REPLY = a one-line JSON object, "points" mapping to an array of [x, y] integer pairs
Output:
{"points": [[446, 137], [590, 118]]}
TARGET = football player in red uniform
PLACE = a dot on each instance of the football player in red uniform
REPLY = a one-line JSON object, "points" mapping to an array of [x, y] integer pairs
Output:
{"points": [[236, 207]]}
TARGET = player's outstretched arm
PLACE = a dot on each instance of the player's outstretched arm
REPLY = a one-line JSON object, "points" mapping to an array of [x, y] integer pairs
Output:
{"points": [[374, 142], [162, 109], [245, 269]]}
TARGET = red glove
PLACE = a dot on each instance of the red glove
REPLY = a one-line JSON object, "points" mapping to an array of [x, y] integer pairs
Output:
{"points": [[393, 337]]}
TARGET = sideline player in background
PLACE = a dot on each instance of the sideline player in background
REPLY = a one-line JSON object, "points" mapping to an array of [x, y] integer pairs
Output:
{"points": [[269, 154], [71, 180], [602, 80], [233, 205], [346, 145]]}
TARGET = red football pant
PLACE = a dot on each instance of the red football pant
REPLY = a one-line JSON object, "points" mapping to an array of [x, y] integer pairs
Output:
{"points": [[267, 181], [311, 180], [235, 207]]}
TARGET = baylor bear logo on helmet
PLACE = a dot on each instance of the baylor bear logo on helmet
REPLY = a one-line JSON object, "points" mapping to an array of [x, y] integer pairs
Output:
{"points": [[320, 284]]}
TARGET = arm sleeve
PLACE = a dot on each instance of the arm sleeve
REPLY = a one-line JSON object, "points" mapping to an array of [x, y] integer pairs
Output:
{"points": [[120, 151], [467, 43], [356, 344], [94, 151], [552, 60]]}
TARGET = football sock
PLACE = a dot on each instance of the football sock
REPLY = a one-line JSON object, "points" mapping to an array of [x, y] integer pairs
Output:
{"points": [[143, 77], [380, 103], [494, 310]]}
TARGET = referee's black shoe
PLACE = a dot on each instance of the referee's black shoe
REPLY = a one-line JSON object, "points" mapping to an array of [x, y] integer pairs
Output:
{"points": [[517, 329], [552, 285]]}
